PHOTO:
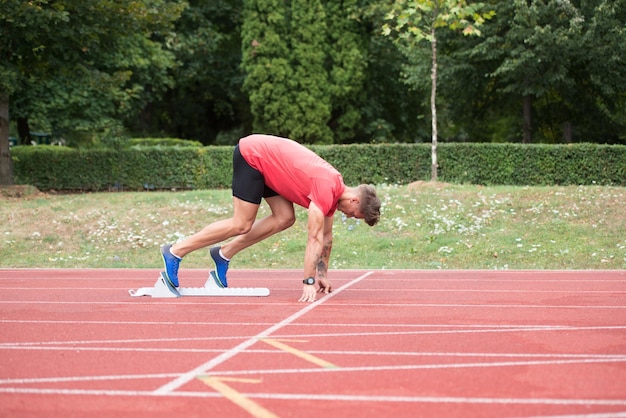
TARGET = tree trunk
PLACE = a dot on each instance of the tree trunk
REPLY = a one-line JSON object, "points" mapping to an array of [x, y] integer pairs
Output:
{"points": [[6, 164], [568, 132], [433, 107], [23, 131], [528, 108]]}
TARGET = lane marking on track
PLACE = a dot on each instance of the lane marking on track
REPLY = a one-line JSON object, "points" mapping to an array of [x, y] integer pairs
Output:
{"points": [[460, 329], [456, 331], [344, 304], [583, 415], [298, 353], [483, 305], [565, 360], [308, 324], [344, 398], [248, 405], [375, 290], [436, 366], [203, 368]]}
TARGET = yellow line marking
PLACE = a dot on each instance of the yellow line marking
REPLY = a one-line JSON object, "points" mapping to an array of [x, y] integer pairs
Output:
{"points": [[306, 356], [237, 398]]}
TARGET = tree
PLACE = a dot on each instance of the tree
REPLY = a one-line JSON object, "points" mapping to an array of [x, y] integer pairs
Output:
{"points": [[418, 20], [539, 50], [311, 107], [264, 36], [82, 64], [602, 84], [283, 58], [6, 167], [562, 64], [206, 102], [347, 58]]}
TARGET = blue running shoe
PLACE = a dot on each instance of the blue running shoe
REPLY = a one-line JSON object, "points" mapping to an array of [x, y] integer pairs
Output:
{"points": [[221, 267], [171, 263], [169, 285]]}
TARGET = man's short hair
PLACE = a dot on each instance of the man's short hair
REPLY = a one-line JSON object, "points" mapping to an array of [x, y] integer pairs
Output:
{"points": [[370, 204]]}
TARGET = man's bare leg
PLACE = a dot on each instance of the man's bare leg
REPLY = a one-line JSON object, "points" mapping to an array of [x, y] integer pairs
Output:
{"points": [[242, 221], [282, 217]]}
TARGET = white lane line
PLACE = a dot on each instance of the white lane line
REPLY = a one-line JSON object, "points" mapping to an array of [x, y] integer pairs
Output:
{"points": [[459, 330], [124, 341], [130, 302], [308, 324], [203, 368], [316, 370], [389, 304], [334, 397], [78, 350], [438, 366], [585, 415], [474, 290], [483, 305], [440, 400], [72, 379], [142, 323], [374, 290]]}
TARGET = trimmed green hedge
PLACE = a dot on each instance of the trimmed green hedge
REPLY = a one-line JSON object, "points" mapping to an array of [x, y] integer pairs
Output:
{"points": [[541, 164], [138, 168], [152, 142]]}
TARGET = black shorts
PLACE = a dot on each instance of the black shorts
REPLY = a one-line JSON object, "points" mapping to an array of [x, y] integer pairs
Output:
{"points": [[248, 183]]}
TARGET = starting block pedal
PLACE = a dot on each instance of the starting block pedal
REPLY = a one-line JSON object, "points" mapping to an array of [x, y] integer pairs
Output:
{"points": [[162, 289]]}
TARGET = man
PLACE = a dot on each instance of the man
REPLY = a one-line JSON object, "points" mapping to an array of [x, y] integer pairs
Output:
{"points": [[282, 172]]}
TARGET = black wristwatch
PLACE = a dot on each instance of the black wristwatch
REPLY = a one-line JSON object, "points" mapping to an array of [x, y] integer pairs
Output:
{"points": [[309, 280]]}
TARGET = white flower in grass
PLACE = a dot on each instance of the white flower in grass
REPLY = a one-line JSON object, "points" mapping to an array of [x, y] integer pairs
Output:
{"points": [[445, 249]]}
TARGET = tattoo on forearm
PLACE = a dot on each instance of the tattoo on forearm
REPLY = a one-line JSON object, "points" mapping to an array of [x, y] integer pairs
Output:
{"points": [[326, 249], [321, 267], [322, 259]]}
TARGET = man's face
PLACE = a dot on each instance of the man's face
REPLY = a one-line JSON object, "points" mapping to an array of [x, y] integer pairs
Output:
{"points": [[350, 208]]}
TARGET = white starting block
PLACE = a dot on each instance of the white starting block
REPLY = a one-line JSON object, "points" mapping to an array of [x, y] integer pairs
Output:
{"points": [[161, 289]]}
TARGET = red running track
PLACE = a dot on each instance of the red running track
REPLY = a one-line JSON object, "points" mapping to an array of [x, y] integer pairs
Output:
{"points": [[386, 343]]}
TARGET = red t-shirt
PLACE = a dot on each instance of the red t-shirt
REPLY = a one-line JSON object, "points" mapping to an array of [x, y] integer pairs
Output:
{"points": [[294, 171]]}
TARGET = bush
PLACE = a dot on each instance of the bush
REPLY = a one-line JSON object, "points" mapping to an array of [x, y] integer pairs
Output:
{"points": [[542, 164], [175, 167], [137, 168], [167, 142]]}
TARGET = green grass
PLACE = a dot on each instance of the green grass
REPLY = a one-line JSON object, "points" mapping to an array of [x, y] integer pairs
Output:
{"points": [[423, 226]]}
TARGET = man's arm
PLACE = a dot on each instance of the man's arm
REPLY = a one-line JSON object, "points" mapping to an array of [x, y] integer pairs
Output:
{"points": [[314, 248], [322, 265]]}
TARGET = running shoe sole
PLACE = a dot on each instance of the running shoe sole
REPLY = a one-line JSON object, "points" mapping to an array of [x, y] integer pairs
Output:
{"points": [[169, 281], [217, 280], [169, 284]]}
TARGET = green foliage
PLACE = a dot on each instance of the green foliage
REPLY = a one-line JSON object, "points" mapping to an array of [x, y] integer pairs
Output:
{"points": [[378, 164], [570, 57], [540, 47], [140, 167], [167, 142], [517, 164], [284, 57], [317, 71], [305, 64], [82, 65], [346, 50], [265, 34], [416, 20], [207, 97], [311, 109], [136, 168]]}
